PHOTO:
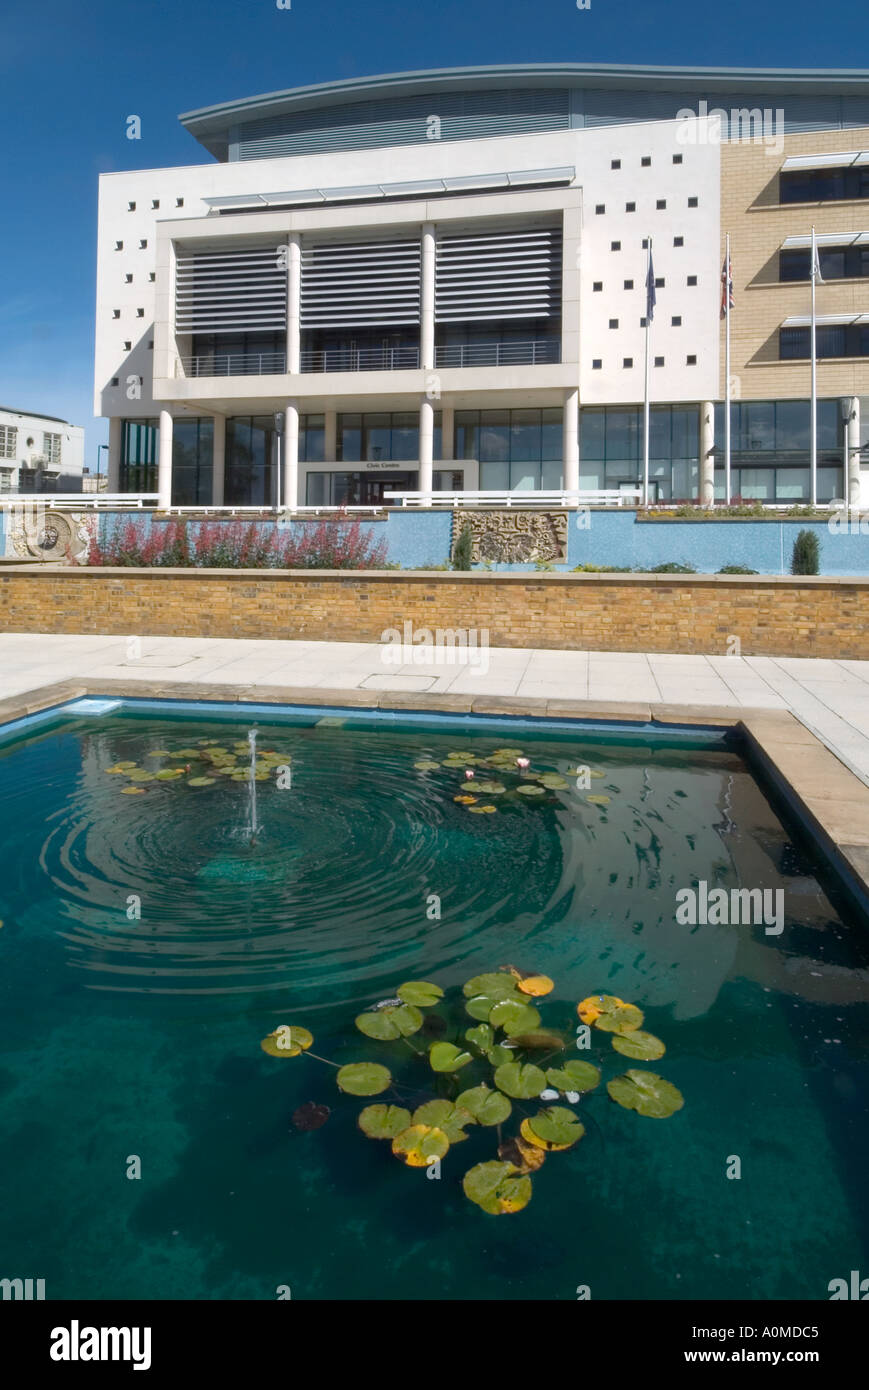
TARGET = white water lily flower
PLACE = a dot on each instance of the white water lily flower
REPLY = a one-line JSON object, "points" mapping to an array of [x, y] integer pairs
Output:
{"points": [[572, 1096], [549, 1095]]}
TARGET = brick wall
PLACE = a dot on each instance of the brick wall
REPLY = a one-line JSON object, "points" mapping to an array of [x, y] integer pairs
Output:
{"points": [[826, 617]]}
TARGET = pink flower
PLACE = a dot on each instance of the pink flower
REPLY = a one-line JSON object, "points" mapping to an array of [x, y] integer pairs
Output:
{"points": [[468, 774], [523, 762]]}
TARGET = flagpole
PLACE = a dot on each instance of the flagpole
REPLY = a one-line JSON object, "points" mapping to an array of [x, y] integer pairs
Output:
{"points": [[726, 373], [646, 391], [813, 425]]}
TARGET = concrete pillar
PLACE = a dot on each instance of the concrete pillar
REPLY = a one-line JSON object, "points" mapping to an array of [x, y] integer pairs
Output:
{"points": [[164, 462], [116, 428], [290, 471], [426, 447], [427, 310], [294, 302], [570, 439], [330, 436], [707, 455], [218, 461], [852, 454]]}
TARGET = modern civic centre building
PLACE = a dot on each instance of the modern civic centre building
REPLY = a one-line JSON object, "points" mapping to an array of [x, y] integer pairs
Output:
{"points": [[437, 280]]}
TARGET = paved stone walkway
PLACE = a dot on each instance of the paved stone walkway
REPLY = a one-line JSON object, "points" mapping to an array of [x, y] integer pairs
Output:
{"points": [[830, 697]]}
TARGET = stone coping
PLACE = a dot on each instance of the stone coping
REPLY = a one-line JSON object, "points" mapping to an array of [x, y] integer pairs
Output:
{"points": [[373, 576], [828, 802]]}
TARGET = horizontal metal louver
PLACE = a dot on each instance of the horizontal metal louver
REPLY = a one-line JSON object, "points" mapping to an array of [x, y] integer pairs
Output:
{"points": [[242, 289], [366, 125], [499, 275], [374, 283]]}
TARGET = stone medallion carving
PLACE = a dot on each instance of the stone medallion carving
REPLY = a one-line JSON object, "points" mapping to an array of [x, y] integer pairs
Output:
{"points": [[39, 532], [513, 536]]}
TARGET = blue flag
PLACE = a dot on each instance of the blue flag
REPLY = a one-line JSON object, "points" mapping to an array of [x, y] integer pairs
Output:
{"points": [[650, 289]]}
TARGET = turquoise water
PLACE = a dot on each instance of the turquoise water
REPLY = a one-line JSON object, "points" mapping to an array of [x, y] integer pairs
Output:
{"points": [[139, 1036]]}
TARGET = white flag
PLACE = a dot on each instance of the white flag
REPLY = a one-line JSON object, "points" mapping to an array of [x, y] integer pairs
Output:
{"points": [[816, 264]]}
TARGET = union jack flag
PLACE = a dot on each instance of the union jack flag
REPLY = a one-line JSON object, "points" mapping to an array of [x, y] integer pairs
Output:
{"points": [[726, 285]]}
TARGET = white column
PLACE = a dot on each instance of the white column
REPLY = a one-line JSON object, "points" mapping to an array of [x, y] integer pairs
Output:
{"points": [[570, 439], [427, 310], [707, 457], [426, 446], [164, 464], [218, 461], [330, 436], [290, 471], [113, 482], [852, 440], [294, 302]]}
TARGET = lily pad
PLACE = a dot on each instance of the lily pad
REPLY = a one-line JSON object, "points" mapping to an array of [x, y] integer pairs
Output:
{"points": [[647, 1093], [535, 985], [200, 781], [498, 984], [574, 1076], [126, 765], [523, 1082], [529, 789], [444, 1056], [363, 1079], [311, 1116], [132, 791], [525, 1157], [490, 788], [425, 765], [139, 774], [443, 1115], [483, 810], [498, 1055], [383, 1121], [643, 1047], [507, 753], [556, 1127], [287, 1041], [419, 1144], [553, 781], [116, 770], [397, 1021], [465, 800], [598, 800], [169, 774], [482, 1036], [540, 1041], [420, 993], [609, 1013], [514, 1017], [497, 1187], [487, 1107]]}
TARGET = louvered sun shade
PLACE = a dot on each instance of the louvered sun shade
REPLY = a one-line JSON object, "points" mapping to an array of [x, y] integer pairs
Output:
{"points": [[361, 283], [222, 290], [499, 275]]}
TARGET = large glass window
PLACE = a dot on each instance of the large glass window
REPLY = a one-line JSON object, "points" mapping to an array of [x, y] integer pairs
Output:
{"points": [[312, 439], [770, 450], [516, 449], [387, 437], [837, 263], [139, 444], [824, 185], [611, 449], [192, 461], [250, 449]]}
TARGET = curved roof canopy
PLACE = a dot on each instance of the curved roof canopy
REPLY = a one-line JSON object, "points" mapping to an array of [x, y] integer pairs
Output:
{"points": [[214, 126]]}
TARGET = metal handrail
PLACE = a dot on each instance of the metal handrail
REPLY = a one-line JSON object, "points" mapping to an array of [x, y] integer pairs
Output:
{"points": [[563, 497], [75, 501], [351, 359], [234, 364], [502, 354]]}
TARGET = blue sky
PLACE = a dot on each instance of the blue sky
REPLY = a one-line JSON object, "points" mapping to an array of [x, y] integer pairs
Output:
{"points": [[71, 74]]}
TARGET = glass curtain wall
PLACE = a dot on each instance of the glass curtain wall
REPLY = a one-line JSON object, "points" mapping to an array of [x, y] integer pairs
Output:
{"points": [[517, 449], [386, 437], [192, 461], [770, 450], [139, 449], [611, 449], [250, 460]]}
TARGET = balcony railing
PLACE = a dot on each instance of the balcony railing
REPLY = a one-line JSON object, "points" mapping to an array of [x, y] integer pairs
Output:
{"points": [[350, 359], [234, 364], [508, 354]]}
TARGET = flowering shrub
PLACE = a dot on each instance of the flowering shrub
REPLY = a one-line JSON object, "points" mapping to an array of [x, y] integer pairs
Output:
{"points": [[336, 545]]}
